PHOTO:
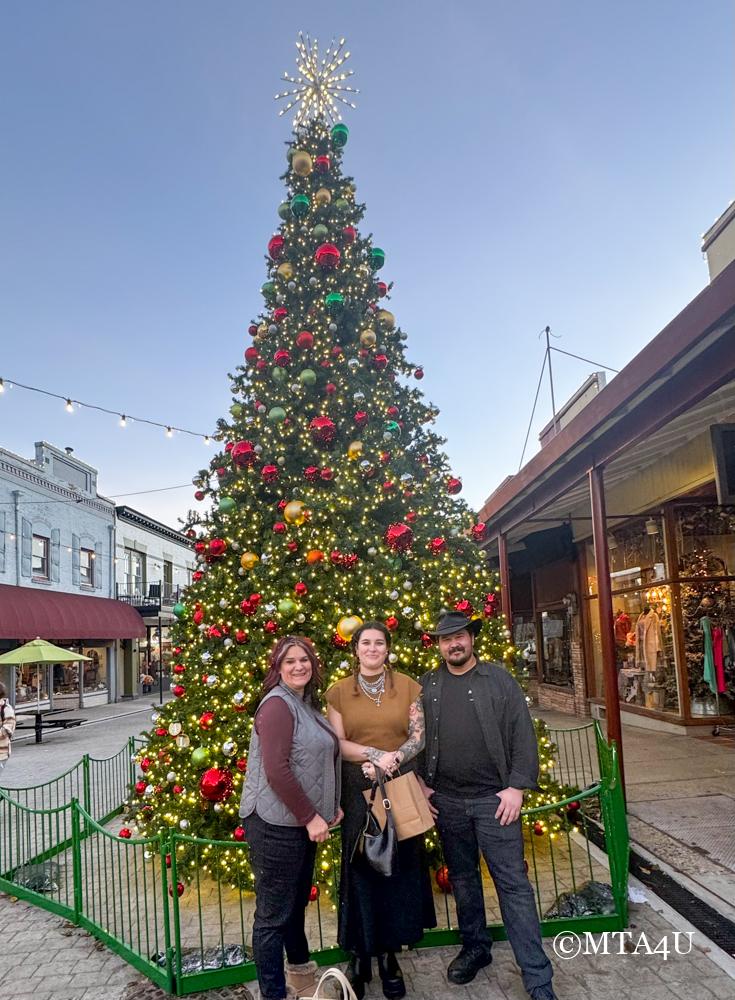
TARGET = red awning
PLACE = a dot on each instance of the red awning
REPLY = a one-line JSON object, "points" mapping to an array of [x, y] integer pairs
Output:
{"points": [[26, 613]]}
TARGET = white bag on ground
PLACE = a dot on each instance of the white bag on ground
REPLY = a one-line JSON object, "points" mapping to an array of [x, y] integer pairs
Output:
{"points": [[333, 983]]}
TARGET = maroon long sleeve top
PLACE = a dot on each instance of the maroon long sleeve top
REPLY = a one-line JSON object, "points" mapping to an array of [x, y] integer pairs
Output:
{"points": [[274, 726]]}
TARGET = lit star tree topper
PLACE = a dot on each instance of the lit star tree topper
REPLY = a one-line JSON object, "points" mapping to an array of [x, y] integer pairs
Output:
{"points": [[320, 84]]}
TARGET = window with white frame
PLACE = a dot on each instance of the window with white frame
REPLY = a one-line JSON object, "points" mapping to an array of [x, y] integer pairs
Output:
{"points": [[40, 556], [86, 567]]}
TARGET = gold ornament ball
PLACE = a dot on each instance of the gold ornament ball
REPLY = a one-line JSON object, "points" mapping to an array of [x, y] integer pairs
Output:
{"points": [[301, 163], [285, 270], [323, 197], [347, 626], [262, 331], [386, 319], [249, 559], [354, 449], [295, 512], [368, 338]]}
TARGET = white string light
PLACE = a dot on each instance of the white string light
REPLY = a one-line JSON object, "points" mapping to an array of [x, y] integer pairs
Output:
{"points": [[124, 418]]}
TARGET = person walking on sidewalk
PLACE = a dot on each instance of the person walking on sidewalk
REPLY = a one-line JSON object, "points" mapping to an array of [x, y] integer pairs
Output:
{"points": [[481, 753], [7, 726], [289, 801]]}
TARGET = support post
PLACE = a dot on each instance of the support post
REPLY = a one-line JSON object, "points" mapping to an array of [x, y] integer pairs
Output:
{"points": [[604, 597], [505, 602]]}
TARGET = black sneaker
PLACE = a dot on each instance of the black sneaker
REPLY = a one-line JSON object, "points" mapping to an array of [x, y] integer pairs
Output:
{"points": [[465, 966]]}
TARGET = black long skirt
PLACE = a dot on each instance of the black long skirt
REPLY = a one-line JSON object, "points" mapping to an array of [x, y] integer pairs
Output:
{"points": [[379, 914]]}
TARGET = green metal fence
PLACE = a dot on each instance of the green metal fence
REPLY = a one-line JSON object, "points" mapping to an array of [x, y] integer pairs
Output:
{"points": [[152, 899]]}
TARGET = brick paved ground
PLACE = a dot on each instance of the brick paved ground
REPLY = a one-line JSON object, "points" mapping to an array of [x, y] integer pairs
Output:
{"points": [[45, 958]]}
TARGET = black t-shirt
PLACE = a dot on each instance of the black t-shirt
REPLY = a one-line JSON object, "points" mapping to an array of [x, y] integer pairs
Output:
{"points": [[464, 769]]}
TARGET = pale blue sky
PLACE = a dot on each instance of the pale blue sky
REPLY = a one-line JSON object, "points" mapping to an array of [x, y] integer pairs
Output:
{"points": [[523, 164]]}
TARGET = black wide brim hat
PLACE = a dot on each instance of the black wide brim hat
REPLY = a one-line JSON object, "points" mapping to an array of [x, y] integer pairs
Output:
{"points": [[455, 621]]}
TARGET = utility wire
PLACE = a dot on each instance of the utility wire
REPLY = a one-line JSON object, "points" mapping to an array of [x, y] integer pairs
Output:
{"points": [[578, 357], [533, 411]]}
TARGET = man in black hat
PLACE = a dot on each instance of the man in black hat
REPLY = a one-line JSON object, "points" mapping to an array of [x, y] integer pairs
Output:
{"points": [[481, 753]]}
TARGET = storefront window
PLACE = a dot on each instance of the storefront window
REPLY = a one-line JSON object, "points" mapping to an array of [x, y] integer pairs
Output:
{"points": [[31, 684], [644, 648], [705, 536], [636, 555], [524, 640], [556, 664], [65, 683], [95, 670]]}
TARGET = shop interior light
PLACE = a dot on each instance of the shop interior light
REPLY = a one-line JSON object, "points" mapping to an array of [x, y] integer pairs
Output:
{"points": [[651, 526]]}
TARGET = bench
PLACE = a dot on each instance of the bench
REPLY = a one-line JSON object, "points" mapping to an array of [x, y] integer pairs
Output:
{"points": [[40, 724]]}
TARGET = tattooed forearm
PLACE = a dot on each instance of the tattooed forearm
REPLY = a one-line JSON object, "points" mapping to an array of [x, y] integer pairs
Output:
{"points": [[416, 732]]}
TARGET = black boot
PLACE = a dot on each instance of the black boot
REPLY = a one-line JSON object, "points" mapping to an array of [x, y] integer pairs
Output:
{"points": [[464, 967], [391, 976], [359, 971]]}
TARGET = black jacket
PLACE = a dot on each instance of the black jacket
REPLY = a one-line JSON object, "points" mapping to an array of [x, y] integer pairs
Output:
{"points": [[505, 720]]}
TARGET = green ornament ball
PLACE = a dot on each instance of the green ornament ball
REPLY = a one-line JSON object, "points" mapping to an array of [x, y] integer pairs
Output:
{"points": [[236, 410], [392, 427], [276, 415], [308, 377], [278, 374], [200, 756], [284, 210], [342, 205], [180, 610], [300, 205], [320, 232], [268, 289], [377, 258], [287, 607], [334, 301], [227, 505], [340, 135]]}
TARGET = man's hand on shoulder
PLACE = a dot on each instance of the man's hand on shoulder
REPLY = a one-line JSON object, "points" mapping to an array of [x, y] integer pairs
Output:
{"points": [[511, 803]]}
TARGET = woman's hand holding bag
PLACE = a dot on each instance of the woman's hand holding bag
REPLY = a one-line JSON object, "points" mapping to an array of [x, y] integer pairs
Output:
{"points": [[379, 847]]}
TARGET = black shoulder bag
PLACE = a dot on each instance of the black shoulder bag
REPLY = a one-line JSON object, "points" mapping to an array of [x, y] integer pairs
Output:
{"points": [[378, 847]]}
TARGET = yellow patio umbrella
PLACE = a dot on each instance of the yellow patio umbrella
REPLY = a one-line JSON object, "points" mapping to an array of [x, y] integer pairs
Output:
{"points": [[39, 651]]}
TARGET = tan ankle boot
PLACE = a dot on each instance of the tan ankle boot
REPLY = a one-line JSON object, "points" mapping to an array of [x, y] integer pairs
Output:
{"points": [[301, 979]]}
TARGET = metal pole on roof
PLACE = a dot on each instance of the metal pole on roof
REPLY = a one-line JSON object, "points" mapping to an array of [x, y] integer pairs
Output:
{"points": [[548, 333]]}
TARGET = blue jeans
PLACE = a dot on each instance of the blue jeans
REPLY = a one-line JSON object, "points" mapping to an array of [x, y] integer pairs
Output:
{"points": [[467, 828], [282, 858]]}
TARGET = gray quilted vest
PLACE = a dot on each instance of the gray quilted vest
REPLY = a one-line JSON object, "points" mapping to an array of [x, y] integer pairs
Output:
{"points": [[312, 761]]}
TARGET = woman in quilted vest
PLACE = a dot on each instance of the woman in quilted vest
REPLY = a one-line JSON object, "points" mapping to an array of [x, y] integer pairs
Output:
{"points": [[7, 726], [289, 802]]}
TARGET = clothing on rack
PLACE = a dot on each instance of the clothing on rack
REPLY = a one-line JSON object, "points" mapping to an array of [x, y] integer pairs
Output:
{"points": [[648, 639], [717, 651]]}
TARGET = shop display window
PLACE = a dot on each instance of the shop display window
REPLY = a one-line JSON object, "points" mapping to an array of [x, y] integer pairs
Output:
{"points": [[95, 670], [556, 662], [29, 678]]}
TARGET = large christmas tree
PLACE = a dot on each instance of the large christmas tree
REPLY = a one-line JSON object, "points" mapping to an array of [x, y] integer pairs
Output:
{"points": [[330, 502]]}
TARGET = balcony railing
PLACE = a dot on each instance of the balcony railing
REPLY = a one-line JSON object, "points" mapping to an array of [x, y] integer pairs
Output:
{"points": [[151, 596]]}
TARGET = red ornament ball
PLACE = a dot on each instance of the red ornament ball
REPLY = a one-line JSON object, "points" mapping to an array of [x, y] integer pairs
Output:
{"points": [[197, 575], [322, 164], [437, 545], [454, 486], [241, 637], [479, 531], [392, 412], [339, 642], [361, 418], [280, 314], [238, 834], [427, 640], [385, 457], [399, 537], [336, 351], [253, 329], [388, 486], [161, 731], [538, 829], [145, 764], [269, 473], [380, 361], [276, 246], [140, 787], [465, 607], [256, 599], [206, 720], [323, 430], [247, 607], [382, 288], [199, 495], [349, 234], [442, 879], [217, 547], [215, 784], [178, 690], [177, 789], [292, 546], [271, 626], [200, 547], [327, 256], [330, 388], [251, 354], [418, 374], [305, 340], [326, 474], [125, 833], [279, 527], [243, 453], [282, 358], [242, 765], [179, 889], [391, 623], [311, 473], [300, 589]]}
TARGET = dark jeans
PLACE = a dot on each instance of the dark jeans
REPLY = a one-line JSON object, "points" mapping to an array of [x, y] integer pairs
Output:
{"points": [[467, 828], [282, 858]]}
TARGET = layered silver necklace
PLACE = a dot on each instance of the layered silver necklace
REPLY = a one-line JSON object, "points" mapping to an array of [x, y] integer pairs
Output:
{"points": [[373, 690]]}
